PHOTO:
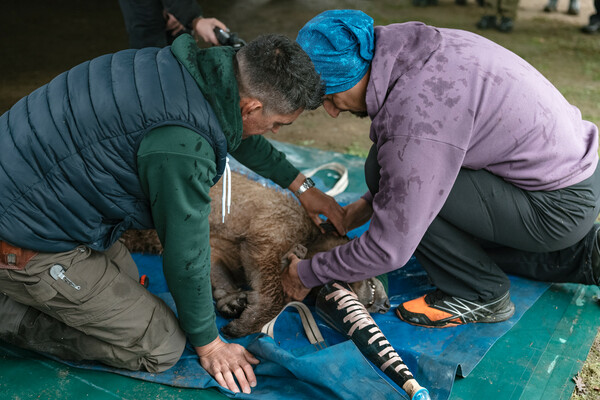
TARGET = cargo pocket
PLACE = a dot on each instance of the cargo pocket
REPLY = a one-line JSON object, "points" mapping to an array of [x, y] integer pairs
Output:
{"points": [[41, 293], [124, 328], [86, 274], [83, 281]]}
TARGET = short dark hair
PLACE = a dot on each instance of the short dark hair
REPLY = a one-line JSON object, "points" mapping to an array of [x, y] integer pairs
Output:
{"points": [[275, 70]]}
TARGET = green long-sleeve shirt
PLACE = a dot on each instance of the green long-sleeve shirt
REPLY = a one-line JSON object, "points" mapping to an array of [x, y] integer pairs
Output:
{"points": [[176, 168]]}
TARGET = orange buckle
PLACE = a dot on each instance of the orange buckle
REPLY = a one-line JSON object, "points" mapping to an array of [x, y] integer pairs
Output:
{"points": [[12, 257]]}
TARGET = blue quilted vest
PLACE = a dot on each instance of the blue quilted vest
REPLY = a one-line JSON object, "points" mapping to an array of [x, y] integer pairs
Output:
{"points": [[68, 173]]}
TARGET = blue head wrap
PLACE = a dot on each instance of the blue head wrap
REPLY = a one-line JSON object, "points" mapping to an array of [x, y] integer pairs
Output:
{"points": [[340, 44]]}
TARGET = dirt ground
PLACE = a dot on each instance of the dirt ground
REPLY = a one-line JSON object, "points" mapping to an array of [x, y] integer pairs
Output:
{"points": [[40, 39]]}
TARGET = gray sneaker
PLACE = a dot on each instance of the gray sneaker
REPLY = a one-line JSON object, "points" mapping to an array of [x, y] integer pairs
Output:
{"points": [[439, 310]]}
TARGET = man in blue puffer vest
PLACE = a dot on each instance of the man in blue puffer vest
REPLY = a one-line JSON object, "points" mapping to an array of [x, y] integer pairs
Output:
{"points": [[135, 140]]}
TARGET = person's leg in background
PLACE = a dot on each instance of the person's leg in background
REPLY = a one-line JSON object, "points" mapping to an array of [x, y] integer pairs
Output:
{"points": [[489, 20], [104, 314], [594, 24], [498, 14], [507, 10], [144, 22]]}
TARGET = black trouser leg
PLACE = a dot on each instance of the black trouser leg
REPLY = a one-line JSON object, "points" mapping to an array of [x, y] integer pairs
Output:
{"points": [[595, 18], [457, 265], [144, 22], [572, 264], [488, 225]]}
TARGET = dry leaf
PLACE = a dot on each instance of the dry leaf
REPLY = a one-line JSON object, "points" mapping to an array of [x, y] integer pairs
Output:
{"points": [[579, 385]]}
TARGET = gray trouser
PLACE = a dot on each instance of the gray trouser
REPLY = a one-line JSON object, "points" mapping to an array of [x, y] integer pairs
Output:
{"points": [[595, 18], [106, 315], [489, 227]]}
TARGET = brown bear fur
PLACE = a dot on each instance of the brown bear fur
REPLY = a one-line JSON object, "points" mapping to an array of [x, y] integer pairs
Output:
{"points": [[247, 252]]}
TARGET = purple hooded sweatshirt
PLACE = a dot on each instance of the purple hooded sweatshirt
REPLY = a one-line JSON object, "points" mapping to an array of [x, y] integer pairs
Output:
{"points": [[441, 100]]}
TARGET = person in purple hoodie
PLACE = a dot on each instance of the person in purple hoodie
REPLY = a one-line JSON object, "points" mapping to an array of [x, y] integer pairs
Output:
{"points": [[479, 167]]}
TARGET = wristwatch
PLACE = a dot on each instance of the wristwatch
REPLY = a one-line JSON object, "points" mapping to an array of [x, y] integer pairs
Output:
{"points": [[307, 184]]}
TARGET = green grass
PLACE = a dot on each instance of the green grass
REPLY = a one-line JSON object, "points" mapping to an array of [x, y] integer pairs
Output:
{"points": [[357, 149], [590, 375]]}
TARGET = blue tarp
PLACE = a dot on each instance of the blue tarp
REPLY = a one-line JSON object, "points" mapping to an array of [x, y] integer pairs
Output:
{"points": [[291, 368]]}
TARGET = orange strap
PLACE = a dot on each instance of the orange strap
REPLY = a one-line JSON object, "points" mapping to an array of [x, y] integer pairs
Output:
{"points": [[12, 257]]}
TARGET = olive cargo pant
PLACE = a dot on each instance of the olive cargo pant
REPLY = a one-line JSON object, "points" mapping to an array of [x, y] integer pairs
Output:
{"points": [[94, 310]]}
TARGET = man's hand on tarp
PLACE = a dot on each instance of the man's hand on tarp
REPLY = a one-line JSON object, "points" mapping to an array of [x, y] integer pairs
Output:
{"points": [[223, 361]]}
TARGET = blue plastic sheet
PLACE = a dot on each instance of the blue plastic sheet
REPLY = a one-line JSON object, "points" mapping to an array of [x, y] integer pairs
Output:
{"points": [[291, 368]]}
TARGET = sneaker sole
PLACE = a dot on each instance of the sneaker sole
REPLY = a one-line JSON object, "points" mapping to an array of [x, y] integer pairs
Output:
{"points": [[446, 325]]}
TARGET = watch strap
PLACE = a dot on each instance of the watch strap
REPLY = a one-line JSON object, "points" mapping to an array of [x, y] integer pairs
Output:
{"points": [[307, 184]]}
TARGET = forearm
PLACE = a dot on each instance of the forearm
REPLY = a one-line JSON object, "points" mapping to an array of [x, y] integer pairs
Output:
{"points": [[357, 213], [402, 210], [183, 227], [186, 265], [180, 205], [176, 167], [297, 182]]}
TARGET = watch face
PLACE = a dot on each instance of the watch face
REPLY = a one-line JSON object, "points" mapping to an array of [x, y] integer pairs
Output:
{"points": [[309, 182]]}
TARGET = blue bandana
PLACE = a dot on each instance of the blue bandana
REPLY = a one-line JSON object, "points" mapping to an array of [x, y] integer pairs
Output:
{"points": [[340, 43]]}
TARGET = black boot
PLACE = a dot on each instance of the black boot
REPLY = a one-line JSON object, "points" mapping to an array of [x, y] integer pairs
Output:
{"points": [[338, 305], [506, 25], [592, 27], [487, 22]]}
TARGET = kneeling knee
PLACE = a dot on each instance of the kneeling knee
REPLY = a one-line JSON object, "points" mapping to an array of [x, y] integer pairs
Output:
{"points": [[166, 354]]}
